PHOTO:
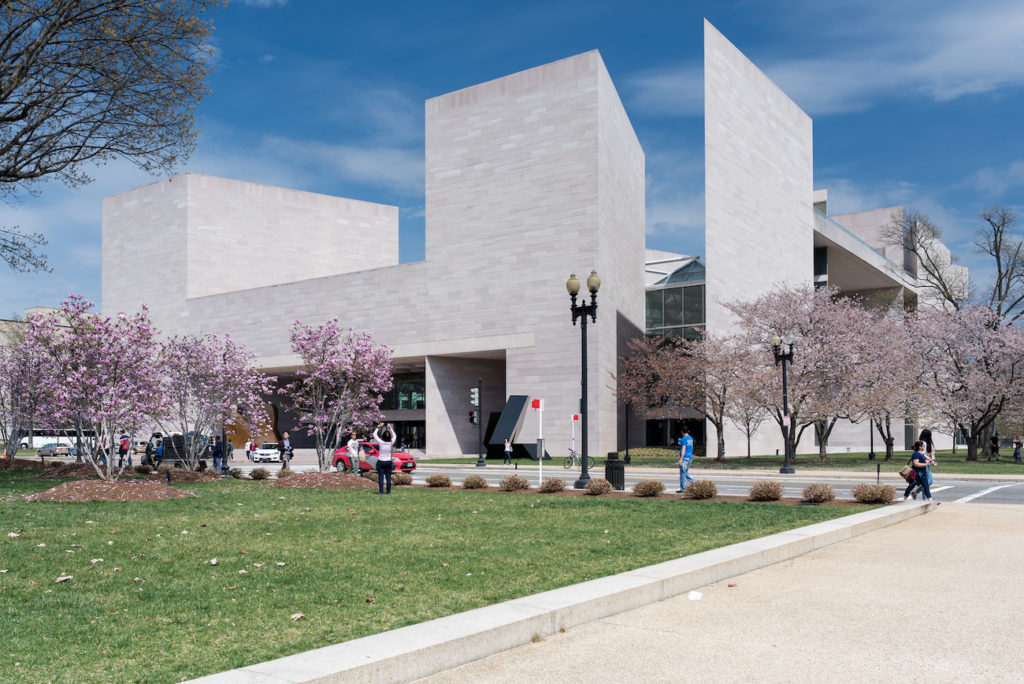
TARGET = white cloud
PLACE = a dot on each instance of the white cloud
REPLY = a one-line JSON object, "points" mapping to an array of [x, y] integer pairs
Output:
{"points": [[941, 51], [264, 3], [997, 181]]}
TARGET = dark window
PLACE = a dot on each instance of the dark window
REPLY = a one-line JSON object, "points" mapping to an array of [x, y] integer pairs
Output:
{"points": [[693, 305], [820, 261], [655, 315], [674, 306]]}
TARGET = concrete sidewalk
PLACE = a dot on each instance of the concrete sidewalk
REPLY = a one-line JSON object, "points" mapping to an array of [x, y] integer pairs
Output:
{"points": [[937, 598]]}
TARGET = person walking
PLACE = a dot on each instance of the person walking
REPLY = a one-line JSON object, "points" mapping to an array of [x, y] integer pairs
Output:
{"points": [[124, 449], [384, 436], [354, 453], [284, 448], [217, 452], [926, 437], [1016, 449], [920, 463], [685, 457], [249, 449], [993, 446], [508, 452]]}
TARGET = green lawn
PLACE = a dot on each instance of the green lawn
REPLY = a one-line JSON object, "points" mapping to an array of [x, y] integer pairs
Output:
{"points": [[155, 609], [665, 457]]}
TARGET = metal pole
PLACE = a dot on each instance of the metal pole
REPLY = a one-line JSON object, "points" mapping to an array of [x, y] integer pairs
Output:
{"points": [[871, 433], [786, 469], [584, 473], [480, 463]]}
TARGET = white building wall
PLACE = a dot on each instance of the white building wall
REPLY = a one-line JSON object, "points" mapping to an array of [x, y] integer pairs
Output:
{"points": [[759, 225], [243, 235]]}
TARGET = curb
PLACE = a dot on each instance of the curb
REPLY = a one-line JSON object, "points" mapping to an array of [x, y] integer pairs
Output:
{"points": [[430, 647]]}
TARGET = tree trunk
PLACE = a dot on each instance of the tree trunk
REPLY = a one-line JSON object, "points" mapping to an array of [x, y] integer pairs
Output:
{"points": [[972, 448], [748, 443]]}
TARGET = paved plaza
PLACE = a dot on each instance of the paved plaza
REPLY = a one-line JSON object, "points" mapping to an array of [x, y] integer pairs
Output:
{"points": [[937, 598]]}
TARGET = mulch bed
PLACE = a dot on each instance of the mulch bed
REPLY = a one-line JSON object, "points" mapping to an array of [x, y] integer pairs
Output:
{"points": [[182, 475], [75, 470], [21, 464], [325, 481], [103, 490]]}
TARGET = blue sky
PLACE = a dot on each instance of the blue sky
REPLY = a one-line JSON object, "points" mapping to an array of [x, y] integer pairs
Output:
{"points": [[915, 103]]}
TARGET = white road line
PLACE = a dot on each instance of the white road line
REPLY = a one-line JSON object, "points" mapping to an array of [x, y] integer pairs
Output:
{"points": [[943, 487], [983, 492]]}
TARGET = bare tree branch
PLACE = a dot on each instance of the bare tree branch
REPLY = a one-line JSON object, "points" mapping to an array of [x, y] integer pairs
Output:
{"points": [[86, 81]]}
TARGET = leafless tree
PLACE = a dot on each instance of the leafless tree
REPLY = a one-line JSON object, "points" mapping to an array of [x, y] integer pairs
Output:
{"points": [[946, 282], [86, 81]]}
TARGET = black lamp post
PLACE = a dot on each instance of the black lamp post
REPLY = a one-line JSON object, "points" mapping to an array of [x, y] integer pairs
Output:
{"points": [[871, 433], [784, 357], [582, 311]]}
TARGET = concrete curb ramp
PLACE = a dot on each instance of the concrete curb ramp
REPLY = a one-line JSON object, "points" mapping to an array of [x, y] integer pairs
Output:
{"points": [[438, 645]]}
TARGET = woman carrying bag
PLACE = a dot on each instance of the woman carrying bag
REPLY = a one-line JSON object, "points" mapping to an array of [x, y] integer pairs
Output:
{"points": [[920, 462]]}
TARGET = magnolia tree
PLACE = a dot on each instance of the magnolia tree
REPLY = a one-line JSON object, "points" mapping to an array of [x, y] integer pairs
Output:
{"points": [[828, 331], [340, 385], [974, 368], [97, 374], [19, 395], [678, 379], [209, 383]]}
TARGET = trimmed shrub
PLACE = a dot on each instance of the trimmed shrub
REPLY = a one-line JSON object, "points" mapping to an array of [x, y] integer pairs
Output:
{"points": [[513, 483], [371, 475], [164, 469], [598, 486], [143, 469], [401, 479], [766, 490], [439, 480], [551, 485], [701, 489], [284, 472], [819, 492], [259, 474], [235, 473], [474, 482], [645, 488], [873, 493]]}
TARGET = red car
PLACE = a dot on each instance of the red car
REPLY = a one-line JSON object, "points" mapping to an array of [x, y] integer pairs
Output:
{"points": [[404, 463]]}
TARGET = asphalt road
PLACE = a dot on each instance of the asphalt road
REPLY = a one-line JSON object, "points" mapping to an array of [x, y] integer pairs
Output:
{"points": [[945, 489]]}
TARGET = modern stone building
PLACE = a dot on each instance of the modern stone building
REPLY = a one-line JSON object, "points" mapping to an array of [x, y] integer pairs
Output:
{"points": [[529, 178]]}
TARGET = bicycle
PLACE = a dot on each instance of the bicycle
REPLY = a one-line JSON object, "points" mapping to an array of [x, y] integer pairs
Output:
{"points": [[574, 460]]}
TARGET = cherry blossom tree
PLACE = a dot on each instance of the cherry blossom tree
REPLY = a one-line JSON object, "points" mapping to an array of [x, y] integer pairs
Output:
{"points": [[888, 376], [685, 378], [975, 368], [746, 409], [340, 385], [97, 374], [826, 328], [210, 383]]}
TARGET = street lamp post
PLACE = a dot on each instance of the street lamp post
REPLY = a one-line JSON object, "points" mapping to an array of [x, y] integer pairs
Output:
{"points": [[784, 358], [582, 311]]}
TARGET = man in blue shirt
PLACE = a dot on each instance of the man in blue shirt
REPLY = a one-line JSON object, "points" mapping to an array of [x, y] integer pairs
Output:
{"points": [[685, 456]]}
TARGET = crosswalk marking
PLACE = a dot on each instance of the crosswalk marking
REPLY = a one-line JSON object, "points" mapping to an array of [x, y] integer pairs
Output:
{"points": [[983, 492]]}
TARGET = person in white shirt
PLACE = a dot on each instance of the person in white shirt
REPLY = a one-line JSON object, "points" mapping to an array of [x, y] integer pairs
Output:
{"points": [[384, 436], [353, 453]]}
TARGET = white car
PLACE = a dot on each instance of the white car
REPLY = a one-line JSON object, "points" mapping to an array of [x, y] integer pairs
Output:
{"points": [[267, 453]]}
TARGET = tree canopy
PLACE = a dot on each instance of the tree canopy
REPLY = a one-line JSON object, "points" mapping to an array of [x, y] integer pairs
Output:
{"points": [[86, 81]]}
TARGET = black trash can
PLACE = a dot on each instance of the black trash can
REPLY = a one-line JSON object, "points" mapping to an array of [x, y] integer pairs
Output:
{"points": [[615, 470]]}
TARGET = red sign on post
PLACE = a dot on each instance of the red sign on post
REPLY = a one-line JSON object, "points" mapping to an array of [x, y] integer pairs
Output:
{"points": [[536, 404], [576, 416]]}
